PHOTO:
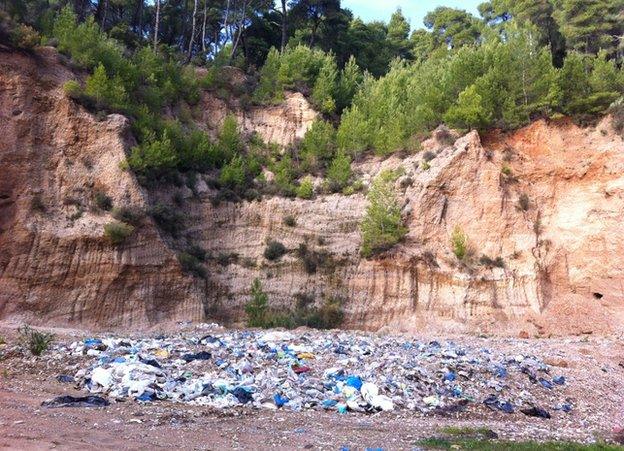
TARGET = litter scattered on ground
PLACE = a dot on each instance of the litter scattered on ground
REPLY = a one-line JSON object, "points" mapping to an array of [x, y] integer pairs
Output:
{"points": [[346, 372], [76, 401]]}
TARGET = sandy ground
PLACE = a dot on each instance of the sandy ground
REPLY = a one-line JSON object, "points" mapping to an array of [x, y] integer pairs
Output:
{"points": [[593, 366]]}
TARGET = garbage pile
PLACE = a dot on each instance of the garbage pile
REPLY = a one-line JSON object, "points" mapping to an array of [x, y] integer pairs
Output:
{"points": [[339, 371]]}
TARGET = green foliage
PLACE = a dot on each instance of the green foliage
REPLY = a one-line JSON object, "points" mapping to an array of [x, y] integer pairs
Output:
{"points": [[459, 243], [469, 111], [118, 232], [129, 215], [274, 250], [305, 190], [167, 218], [350, 80], [155, 156], [328, 316], [318, 145], [102, 201], [324, 89], [285, 174], [382, 227], [300, 66], [270, 88], [104, 90], [339, 172], [24, 37], [499, 83], [234, 174], [191, 264], [229, 141], [73, 89], [33, 340], [257, 307]]}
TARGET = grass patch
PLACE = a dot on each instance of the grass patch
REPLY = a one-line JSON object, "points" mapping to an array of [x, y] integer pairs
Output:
{"points": [[487, 445]]}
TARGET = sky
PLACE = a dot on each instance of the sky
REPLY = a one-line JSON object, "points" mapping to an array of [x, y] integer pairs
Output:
{"points": [[413, 10]]}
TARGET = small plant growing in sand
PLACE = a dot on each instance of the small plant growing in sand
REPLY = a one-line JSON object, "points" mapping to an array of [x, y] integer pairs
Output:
{"points": [[33, 340], [459, 243]]}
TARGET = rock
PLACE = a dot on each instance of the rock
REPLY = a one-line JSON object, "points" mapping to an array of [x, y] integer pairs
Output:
{"points": [[201, 187]]}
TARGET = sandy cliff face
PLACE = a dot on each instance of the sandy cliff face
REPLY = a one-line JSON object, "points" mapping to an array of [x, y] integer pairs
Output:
{"points": [[563, 264], [562, 256], [54, 262]]}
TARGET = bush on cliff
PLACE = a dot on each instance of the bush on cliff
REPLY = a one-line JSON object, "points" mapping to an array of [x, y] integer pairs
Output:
{"points": [[382, 227]]}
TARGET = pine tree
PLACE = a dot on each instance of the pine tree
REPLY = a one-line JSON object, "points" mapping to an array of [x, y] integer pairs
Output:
{"points": [[325, 86], [339, 172], [257, 307], [270, 89], [591, 25], [382, 226], [350, 80]]}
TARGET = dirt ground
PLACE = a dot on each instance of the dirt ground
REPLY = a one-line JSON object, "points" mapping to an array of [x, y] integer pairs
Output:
{"points": [[594, 367]]}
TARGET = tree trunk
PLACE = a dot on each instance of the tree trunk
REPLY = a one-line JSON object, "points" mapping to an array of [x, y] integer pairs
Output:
{"points": [[103, 24], [283, 26], [192, 39], [203, 36], [225, 26], [137, 19], [157, 23]]}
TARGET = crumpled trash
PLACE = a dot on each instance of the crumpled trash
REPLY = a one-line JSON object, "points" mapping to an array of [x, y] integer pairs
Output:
{"points": [[202, 355], [66, 379], [536, 412], [493, 403], [73, 401], [370, 393], [280, 400]]}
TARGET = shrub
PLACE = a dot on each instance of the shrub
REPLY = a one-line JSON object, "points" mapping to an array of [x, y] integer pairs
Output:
{"points": [[428, 156], [305, 190], [229, 143], [524, 202], [506, 170], [129, 215], [290, 221], [198, 252], [107, 92], [339, 172], [497, 262], [24, 37], [167, 218], [274, 250], [102, 201], [329, 316], [191, 264], [270, 89], [36, 204], [425, 165], [225, 259], [234, 174], [118, 232], [309, 258], [154, 157], [459, 243], [317, 146], [256, 308], [382, 226], [33, 340]]}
